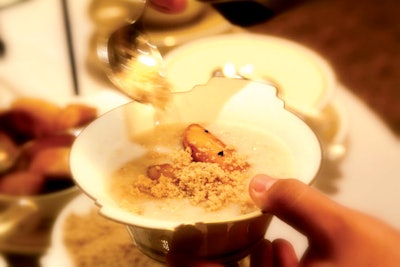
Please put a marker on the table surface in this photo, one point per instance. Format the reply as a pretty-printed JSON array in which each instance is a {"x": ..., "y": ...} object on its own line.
[{"x": 359, "y": 40}]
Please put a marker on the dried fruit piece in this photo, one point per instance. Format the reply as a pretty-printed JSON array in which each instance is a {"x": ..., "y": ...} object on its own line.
[
  {"x": 206, "y": 147},
  {"x": 155, "y": 171}
]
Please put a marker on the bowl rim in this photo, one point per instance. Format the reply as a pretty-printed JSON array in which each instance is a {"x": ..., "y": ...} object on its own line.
[
  {"x": 39, "y": 197},
  {"x": 329, "y": 75},
  {"x": 121, "y": 215}
]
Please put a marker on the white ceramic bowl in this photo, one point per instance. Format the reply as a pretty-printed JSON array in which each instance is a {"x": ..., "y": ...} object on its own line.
[
  {"x": 105, "y": 145},
  {"x": 28, "y": 219},
  {"x": 306, "y": 80}
]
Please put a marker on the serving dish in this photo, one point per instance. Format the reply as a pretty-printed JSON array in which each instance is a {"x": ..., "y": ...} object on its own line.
[
  {"x": 34, "y": 215},
  {"x": 250, "y": 104},
  {"x": 76, "y": 214}
]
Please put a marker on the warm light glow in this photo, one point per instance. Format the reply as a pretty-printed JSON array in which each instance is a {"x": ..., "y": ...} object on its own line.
[
  {"x": 170, "y": 41},
  {"x": 247, "y": 69},
  {"x": 3, "y": 155},
  {"x": 148, "y": 60},
  {"x": 229, "y": 70},
  {"x": 165, "y": 244},
  {"x": 111, "y": 12}
]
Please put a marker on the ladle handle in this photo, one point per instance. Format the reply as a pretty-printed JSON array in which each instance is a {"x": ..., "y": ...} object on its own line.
[{"x": 16, "y": 216}]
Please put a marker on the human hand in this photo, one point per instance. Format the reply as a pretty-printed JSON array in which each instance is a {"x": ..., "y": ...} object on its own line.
[
  {"x": 337, "y": 235},
  {"x": 169, "y": 6}
]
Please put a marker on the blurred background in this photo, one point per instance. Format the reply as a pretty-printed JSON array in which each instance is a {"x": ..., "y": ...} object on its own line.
[
  {"x": 47, "y": 51},
  {"x": 361, "y": 42}
]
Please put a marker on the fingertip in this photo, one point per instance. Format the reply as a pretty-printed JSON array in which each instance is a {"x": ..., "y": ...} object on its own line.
[
  {"x": 258, "y": 187},
  {"x": 261, "y": 183},
  {"x": 281, "y": 244},
  {"x": 284, "y": 253},
  {"x": 169, "y": 6},
  {"x": 297, "y": 204}
]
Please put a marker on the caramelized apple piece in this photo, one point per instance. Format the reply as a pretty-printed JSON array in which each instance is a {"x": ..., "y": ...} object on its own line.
[
  {"x": 206, "y": 147},
  {"x": 155, "y": 171}
]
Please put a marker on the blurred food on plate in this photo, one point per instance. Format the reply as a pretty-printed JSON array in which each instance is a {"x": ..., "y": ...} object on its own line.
[
  {"x": 35, "y": 139},
  {"x": 93, "y": 240}
]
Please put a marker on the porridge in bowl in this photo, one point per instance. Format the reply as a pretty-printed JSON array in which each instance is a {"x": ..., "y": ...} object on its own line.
[
  {"x": 195, "y": 172},
  {"x": 179, "y": 179}
]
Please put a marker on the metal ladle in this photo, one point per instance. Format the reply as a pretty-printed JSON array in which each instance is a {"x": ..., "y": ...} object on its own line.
[{"x": 131, "y": 62}]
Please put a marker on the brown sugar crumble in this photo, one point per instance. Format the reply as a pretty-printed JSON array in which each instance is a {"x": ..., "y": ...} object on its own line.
[
  {"x": 92, "y": 240},
  {"x": 95, "y": 241},
  {"x": 205, "y": 184}
]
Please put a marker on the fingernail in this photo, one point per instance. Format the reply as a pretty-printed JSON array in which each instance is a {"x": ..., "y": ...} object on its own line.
[{"x": 261, "y": 183}]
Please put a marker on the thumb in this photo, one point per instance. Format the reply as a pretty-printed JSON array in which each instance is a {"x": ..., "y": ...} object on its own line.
[{"x": 302, "y": 207}]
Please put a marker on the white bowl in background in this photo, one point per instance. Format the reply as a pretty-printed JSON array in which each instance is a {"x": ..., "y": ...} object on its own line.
[{"x": 306, "y": 81}]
